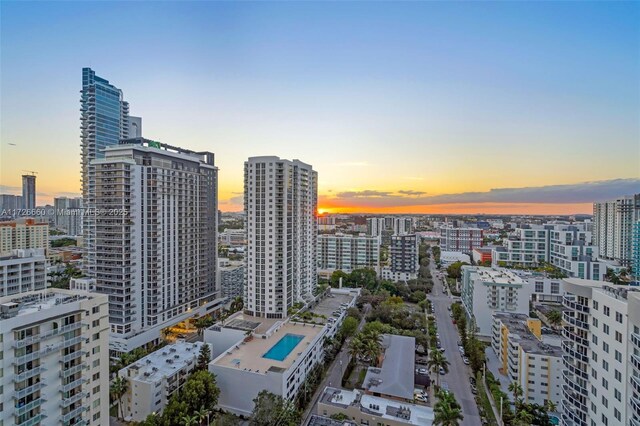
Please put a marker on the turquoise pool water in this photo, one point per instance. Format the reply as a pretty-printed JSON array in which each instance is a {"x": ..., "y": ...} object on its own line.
[
  {"x": 283, "y": 348},
  {"x": 554, "y": 420}
]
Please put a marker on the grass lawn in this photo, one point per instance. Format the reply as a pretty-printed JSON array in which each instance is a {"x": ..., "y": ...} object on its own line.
[
  {"x": 361, "y": 375},
  {"x": 485, "y": 405}
]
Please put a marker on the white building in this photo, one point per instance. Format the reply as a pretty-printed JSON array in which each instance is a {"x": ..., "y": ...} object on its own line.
[
  {"x": 525, "y": 359},
  {"x": 613, "y": 227},
  {"x": 525, "y": 246},
  {"x": 280, "y": 203},
  {"x": 233, "y": 237},
  {"x": 545, "y": 288},
  {"x": 449, "y": 257},
  {"x": 402, "y": 225},
  {"x": 489, "y": 290},
  {"x": 152, "y": 380},
  {"x": 364, "y": 409},
  {"x": 22, "y": 271},
  {"x": 68, "y": 214},
  {"x": 375, "y": 226},
  {"x": 55, "y": 358},
  {"x": 572, "y": 252},
  {"x": 460, "y": 239},
  {"x": 595, "y": 354},
  {"x": 347, "y": 252},
  {"x": 326, "y": 223},
  {"x": 251, "y": 354},
  {"x": 633, "y": 382},
  {"x": 155, "y": 252}
]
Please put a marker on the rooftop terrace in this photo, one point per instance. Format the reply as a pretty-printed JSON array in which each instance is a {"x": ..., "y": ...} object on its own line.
[
  {"x": 27, "y": 303},
  {"x": 517, "y": 326},
  {"x": 164, "y": 362}
]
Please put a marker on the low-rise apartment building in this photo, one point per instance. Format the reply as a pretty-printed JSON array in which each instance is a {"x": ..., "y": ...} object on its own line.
[
  {"x": 525, "y": 359},
  {"x": 489, "y": 290},
  {"x": 55, "y": 358},
  {"x": 368, "y": 410},
  {"x": 23, "y": 234},
  {"x": 152, "y": 380},
  {"x": 22, "y": 271}
]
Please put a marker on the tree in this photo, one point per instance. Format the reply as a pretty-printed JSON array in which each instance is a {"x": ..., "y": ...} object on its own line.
[
  {"x": 204, "y": 357},
  {"x": 455, "y": 270},
  {"x": 270, "y": 409},
  {"x": 200, "y": 391},
  {"x": 118, "y": 389},
  {"x": 550, "y": 406},
  {"x": 189, "y": 420},
  {"x": 227, "y": 419},
  {"x": 555, "y": 318},
  {"x": 203, "y": 323},
  {"x": 523, "y": 418},
  {"x": 202, "y": 414},
  {"x": 334, "y": 281},
  {"x": 447, "y": 410},
  {"x": 236, "y": 305},
  {"x": 436, "y": 362},
  {"x": 516, "y": 390},
  {"x": 354, "y": 312},
  {"x": 349, "y": 327}
]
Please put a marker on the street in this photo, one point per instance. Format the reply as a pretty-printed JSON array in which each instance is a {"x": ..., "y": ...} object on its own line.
[
  {"x": 333, "y": 376},
  {"x": 458, "y": 376}
]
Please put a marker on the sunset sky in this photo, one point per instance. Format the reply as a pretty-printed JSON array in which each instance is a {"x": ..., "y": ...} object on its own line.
[{"x": 439, "y": 107}]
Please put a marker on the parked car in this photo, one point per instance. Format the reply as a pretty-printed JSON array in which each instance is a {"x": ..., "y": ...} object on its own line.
[
  {"x": 423, "y": 371},
  {"x": 474, "y": 390},
  {"x": 422, "y": 398},
  {"x": 441, "y": 349},
  {"x": 442, "y": 371},
  {"x": 472, "y": 380},
  {"x": 465, "y": 360}
]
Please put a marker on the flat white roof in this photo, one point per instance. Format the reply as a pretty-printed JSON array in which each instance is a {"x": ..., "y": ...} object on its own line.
[
  {"x": 163, "y": 363},
  {"x": 35, "y": 301},
  {"x": 498, "y": 276}
]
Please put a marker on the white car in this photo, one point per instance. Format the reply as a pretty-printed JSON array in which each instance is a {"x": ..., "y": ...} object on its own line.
[
  {"x": 423, "y": 371},
  {"x": 422, "y": 398},
  {"x": 465, "y": 360}
]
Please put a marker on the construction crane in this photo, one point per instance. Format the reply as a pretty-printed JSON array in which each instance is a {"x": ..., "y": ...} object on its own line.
[{"x": 33, "y": 173}]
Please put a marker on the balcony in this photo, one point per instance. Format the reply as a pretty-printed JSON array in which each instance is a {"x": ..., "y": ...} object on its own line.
[
  {"x": 635, "y": 339},
  {"x": 570, "y": 382},
  {"x": 575, "y": 322},
  {"x": 75, "y": 398},
  {"x": 28, "y": 373},
  {"x": 72, "y": 385},
  {"x": 35, "y": 420},
  {"x": 568, "y": 349},
  {"x": 635, "y": 383},
  {"x": 73, "y": 413},
  {"x": 72, "y": 356},
  {"x": 574, "y": 337},
  {"x": 570, "y": 302},
  {"x": 28, "y": 390},
  {"x": 28, "y": 407},
  {"x": 72, "y": 370}
]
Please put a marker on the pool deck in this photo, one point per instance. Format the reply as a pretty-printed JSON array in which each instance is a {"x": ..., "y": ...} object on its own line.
[{"x": 249, "y": 355}]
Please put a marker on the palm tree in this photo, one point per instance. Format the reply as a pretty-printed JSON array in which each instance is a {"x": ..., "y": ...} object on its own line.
[
  {"x": 516, "y": 389},
  {"x": 356, "y": 347},
  {"x": 447, "y": 410},
  {"x": 118, "y": 389},
  {"x": 550, "y": 406},
  {"x": 202, "y": 414},
  {"x": 555, "y": 318},
  {"x": 189, "y": 420},
  {"x": 437, "y": 361},
  {"x": 237, "y": 304},
  {"x": 166, "y": 332},
  {"x": 523, "y": 418}
]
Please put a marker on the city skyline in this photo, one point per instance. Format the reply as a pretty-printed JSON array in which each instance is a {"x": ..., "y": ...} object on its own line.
[{"x": 439, "y": 113}]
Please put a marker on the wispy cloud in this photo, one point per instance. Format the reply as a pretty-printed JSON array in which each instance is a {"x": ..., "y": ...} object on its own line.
[{"x": 585, "y": 192}]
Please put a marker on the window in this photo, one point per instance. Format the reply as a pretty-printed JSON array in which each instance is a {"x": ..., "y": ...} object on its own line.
[
  {"x": 539, "y": 287},
  {"x": 605, "y": 328},
  {"x": 605, "y": 420},
  {"x": 606, "y": 310},
  {"x": 594, "y": 356},
  {"x": 617, "y": 394},
  {"x": 618, "y": 356},
  {"x": 594, "y": 339},
  {"x": 555, "y": 288},
  {"x": 605, "y": 402},
  {"x": 605, "y": 365},
  {"x": 605, "y": 383},
  {"x": 595, "y": 305},
  {"x": 618, "y": 337},
  {"x": 595, "y": 322},
  {"x": 619, "y": 317},
  {"x": 617, "y": 414},
  {"x": 95, "y": 309},
  {"x": 605, "y": 347},
  {"x": 618, "y": 375}
]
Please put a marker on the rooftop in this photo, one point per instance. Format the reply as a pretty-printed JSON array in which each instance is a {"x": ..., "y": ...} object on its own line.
[
  {"x": 396, "y": 375},
  {"x": 35, "y": 301},
  {"x": 163, "y": 362},
  {"x": 520, "y": 332},
  {"x": 410, "y": 414},
  {"x": 498, "y": 276},
  {"x": 248, "y": 355},
  {"x": 316, "y": 420}
]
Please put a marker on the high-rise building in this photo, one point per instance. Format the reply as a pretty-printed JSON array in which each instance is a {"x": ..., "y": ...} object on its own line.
[
  {"x": 403, "y": 257},
  {"x": 280, "y": 205},
  {"x": 9, "y": 205},
  {"x": 571, "y": 251},
  {"x": 23, "y": 234},
  {"x": 68, "y": 214},
  {"x": 460, "y": 239},
  {"x": 613, "y": 227},
  {"x": 56, "y": 366},
  {"x": 633, "y": 379},
  {"x": 104, "y": 120},
  {"x": 156, "y": 245},
  {"x": 375, "y": 226},
  {"x": 596, "y": 367},
  {"x": 635, "y": 265},
  {"x": 347, "y": 252},
  {"x": 135, "y": 127},
  {"x": 402, "y": 225},
  {"x": 231, "y": 278},
  {"x": 28, "y": 192}
]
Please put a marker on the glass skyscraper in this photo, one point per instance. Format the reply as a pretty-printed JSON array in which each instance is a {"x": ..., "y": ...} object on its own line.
[{"x": 104, "y": 120}]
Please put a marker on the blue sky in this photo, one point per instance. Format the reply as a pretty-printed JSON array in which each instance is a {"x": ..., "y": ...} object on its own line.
[{"x": 440, "y": 98}]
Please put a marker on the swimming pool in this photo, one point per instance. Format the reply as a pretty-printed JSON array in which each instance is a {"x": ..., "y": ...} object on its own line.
[{"x": 283, "y": 348}]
